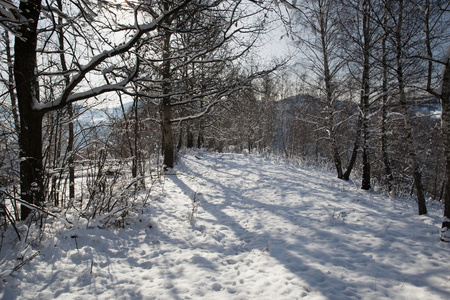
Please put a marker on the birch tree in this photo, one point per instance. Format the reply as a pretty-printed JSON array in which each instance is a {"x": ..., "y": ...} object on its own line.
[
  {"x": 385, "y": 97},
  {"x": 399, "y": 35},
  {"x": 360, "y": 36},
  {"x": 365, "y": 90},
  {"x": 322, "y": 39},
  {"x": 435, "y": 27}
]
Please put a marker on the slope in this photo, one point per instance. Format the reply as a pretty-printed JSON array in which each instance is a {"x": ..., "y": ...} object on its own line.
[{"x": 230, "y": 226}]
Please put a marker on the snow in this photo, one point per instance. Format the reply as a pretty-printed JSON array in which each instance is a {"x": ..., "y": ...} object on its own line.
[{"x": 232, "y": 226}]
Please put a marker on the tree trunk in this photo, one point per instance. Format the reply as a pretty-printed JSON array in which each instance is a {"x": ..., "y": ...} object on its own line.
[
  {"x": 136, "y": 156},
  {"x": 365, "y": 91},
  {"x": 417, "y": 175},
  {"x": 446, "y": 135},
  {"x": 180, "y": 138},
  {"x": 31, "y": 177},
  {"x": 365, "y": 185},
  {"x": 167, "y": 136},
  {"x": 166, "y": 109},
  {"x": 324, "y": 24},
  {"x": 354, "y": 155},
  {"x": 384, "y": 151},
  {"x": 334, "y": 147},
  {"x": 71, "y": 138},
  {"x": 200, "y": 139},
  {"x": 444, "y": 96},
  {"x": 329, "y": 99},
  {"x": 30, "y": 137},
  {"x": 189, "y": 137},
  {"x": 445, "y": 119},
  {"x": 71, "y": 162},
  {"x": 55, "y": 135},
  {"x": 10, "y": 84}
]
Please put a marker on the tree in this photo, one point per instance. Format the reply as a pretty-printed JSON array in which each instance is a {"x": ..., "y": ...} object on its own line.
[
  {"x": 360, "y": 36},
  {"x": 95, "y": 63},
  {"x": 365, "y": 89},
  {"x": 191, "y": 66},
  {"x": 27, "y": 77},
  {"x": 324, "y": 46},
  {"x": 434, "y": 15},
  {"x": 385, "y": 97},
  {"x": 417, "y": 175}
]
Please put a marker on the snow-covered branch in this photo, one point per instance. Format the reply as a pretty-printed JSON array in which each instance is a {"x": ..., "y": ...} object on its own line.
[
  {"x": 67, "y": 95},
  {"x": 10, "y": 17}
]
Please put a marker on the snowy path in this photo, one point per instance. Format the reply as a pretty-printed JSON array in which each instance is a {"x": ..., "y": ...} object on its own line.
[{"x": 261, "y": 230}]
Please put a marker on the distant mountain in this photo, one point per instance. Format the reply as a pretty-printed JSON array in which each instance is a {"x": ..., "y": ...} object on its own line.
[
  {"x": 285, "y": 113},
  {"x": 95, "y": 116},
  {"x": 92, "y": 124}
]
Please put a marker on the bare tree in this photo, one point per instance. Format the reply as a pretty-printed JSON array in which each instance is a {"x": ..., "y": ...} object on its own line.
[
  {"x": 385, "y": 97},
  {"x": 105, "y": 65},
  {"x": 28, "y": 75},
  {"x": 365, "y": 90},
  {"x": 360, "y": 39},
  {"x": 435, "y": 25},
  {"x": 192, "y": 63},
  {"x": 325, "y": 52},
  {"x": 399, "y": 42}
]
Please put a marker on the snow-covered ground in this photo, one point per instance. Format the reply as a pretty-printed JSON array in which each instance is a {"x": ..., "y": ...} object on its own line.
[{"x": 229, "y": 226}]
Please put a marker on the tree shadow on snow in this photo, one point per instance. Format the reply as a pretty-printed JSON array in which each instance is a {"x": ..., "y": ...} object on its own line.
[{"x": 320, "y": 254}]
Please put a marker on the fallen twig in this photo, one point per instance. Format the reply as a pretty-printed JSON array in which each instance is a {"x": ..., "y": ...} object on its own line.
[{"x": 16, "y": 268}]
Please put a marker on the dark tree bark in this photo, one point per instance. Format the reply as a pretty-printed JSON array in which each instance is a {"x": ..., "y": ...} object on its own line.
[
  {"x": 166, "y": 108},
  {"x": 70, "y": 149},
  {"x": 189, "y": 137},
  {"x": 30, "y": 137},
  {"x": 200, "y": 139},
  {"x": 445, "y": 100},
  {"x": 365, "y": 93},
  {"x": 167, "y": 134},
  {"x": 180, "y": 139}
]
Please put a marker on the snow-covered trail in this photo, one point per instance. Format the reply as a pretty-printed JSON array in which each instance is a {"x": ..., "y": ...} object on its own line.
[
  {"x": 259, "y": 229},
  {"x": 317, "y": 236}
]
